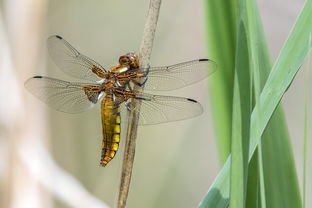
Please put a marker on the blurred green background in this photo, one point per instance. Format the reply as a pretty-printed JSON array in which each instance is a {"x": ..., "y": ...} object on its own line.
[{"x": 175, "y": 162}]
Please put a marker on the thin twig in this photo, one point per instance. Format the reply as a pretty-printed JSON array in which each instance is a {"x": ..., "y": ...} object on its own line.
[{"x": 133, "y": 119}]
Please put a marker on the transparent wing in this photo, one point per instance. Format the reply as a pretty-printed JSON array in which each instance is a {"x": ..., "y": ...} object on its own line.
[
  {"x": 179, "y": 75},
  {"x": 156, "y": 109},
  {"x": 61, "y": 95},
  {"x": 69, "y": 60}
]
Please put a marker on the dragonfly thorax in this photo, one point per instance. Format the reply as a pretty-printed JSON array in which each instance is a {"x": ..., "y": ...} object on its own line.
[
  {"x": 119, "y": 69},
  {"x": 112, "y": 83}
]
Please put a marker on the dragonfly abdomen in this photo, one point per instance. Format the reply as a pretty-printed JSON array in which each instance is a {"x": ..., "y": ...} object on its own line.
[{"x": 111, "y": 129}]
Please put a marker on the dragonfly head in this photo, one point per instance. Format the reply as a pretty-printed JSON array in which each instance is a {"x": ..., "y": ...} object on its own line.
[{"x": 130, "y": 59}]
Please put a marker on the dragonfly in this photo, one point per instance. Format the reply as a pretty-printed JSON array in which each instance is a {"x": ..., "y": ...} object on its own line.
[{"x": 113, "y": 88}]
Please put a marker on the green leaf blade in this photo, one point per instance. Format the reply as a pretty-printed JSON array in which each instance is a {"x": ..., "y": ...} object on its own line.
[
  {"x": 222, "y": 41},
  {"x": 283, "y": 72},
  {"x": 242, "y": 107}
]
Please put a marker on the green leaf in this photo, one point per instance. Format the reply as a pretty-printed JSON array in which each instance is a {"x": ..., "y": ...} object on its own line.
[
  {"x": 221, "y": 32},
  {"x": 242, "y": 107},
  {"x": 275, "y": 137},
  {"x": 283, "y": 72},
  {"x": 276, "y": 152},
  {"x": 219, "y": 191}
]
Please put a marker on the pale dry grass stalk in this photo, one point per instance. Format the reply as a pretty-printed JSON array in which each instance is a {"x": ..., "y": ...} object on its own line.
[
  {"x": 20, "y": 37},
  {"x": 133, "y": 118}
]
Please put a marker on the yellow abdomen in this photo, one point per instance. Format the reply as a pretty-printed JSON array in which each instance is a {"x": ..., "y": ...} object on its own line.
[{"x": 111, "y": 129}]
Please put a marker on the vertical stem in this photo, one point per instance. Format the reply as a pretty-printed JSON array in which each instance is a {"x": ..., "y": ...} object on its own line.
[{"x": 133, "y": 119}]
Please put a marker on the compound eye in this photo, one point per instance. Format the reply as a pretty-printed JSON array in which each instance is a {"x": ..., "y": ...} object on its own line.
[{"x": 124, "y": 60}]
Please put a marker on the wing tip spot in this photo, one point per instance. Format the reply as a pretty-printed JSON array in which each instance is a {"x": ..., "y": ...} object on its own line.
[
  {"x": 59, "y": 37},
  {"x": 141, "y": 98},
  {"x": 37, "y": 77},
  {"x": 189, "y": 99},
  {"x": 203, "y": 60}
]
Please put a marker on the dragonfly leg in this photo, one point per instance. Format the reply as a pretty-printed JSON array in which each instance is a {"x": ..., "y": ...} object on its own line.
[
  {"x": 130, "y": 88},
  {"x": 141, "y": 76},
  {"x": 140, "y": 84},
  {"x": 96, "y": 70},
  {"x": 114, "y": 97},
  {"x": 128, "y": 105}
]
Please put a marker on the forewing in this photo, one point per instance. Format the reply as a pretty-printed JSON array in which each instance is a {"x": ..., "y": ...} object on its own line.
[
  {"x": 156, "y": 109},
  {"x": 69, "y": 60},
  {"x": 61, "y": 95},
  {"x": 179, "y": 75}
]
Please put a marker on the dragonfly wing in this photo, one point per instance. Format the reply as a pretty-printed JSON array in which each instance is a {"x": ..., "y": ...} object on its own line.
[
  {"x": 61, "y": 95},
  {"x": 156, "y": 109},
  {"x": 73, "y": 63},
  {"x": 179, "y": 75}
]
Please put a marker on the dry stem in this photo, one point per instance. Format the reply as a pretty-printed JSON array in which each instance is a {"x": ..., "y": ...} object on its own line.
[{"x": 144, "y": 57}]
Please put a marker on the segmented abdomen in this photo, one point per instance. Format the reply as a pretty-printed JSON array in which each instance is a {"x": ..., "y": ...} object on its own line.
[{"x": 110, "y": 113}]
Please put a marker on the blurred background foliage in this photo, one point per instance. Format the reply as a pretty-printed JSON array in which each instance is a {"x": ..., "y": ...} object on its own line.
[{"x": 174, "y": 161}]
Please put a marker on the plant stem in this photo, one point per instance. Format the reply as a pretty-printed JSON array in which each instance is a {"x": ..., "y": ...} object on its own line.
[{"x": 133, "y": 116}]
